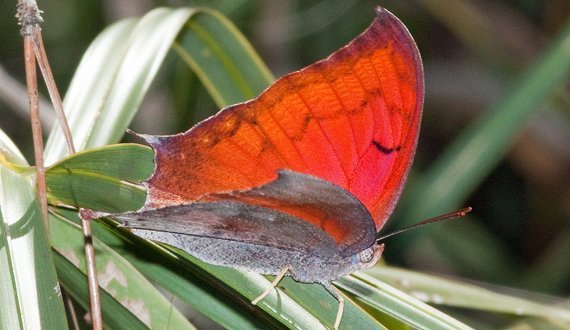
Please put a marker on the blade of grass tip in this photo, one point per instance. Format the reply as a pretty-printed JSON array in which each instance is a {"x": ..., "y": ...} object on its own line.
[
  {"x": 482, "y": 145},
  {"x": 29, "y": 291},
  {"x": 114, "y": 160}
]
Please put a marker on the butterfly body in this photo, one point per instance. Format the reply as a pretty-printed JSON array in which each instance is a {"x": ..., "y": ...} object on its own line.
[{"x": 303, "y": 267}]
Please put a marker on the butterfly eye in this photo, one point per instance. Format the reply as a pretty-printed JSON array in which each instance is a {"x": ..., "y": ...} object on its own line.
[{"x": 366, "y": 255}]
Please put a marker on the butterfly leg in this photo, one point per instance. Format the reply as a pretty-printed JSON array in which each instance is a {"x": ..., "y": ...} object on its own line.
[
  {"x": 340, "y": 299},
  {"x": 273, "y": 285}
]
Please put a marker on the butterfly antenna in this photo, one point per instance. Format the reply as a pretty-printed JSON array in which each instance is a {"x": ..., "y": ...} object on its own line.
[{"x": 448, "y": 216}]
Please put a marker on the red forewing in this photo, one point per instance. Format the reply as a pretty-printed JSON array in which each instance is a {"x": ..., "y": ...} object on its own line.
[{"x": 352, "y": 119}]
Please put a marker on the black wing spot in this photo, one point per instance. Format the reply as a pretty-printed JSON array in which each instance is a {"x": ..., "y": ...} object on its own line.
[{"x": 385, "y": 150}]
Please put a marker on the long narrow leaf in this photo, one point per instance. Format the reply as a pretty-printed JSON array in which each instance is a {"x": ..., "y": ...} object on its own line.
[
  {"x": 441, "y": 291},
  {"x": 30, "y": 295}
]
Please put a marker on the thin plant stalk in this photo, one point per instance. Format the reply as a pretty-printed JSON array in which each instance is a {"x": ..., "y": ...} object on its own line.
[
  {"x": 32, "y": 83},
  {"x": 71, "y": 309},
  {"x": 52, "y": 89}
]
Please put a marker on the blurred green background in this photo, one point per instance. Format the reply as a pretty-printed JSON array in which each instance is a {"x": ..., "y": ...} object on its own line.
[{"x": 474, "y": 52}]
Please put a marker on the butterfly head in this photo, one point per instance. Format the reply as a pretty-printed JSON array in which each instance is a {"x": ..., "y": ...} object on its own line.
[{"x": 367, "y": 258}]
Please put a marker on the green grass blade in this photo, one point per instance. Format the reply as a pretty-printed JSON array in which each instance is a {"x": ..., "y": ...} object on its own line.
[
  {"x": 121, "y": 282},
  {"x": 115, "y": 315},
  {"x": 397, "y": 304},
  {"x": 29, "y": 292},
  {"x": 96, "y": 178},
  {"x": 441, "y": 291},
  {"x": 111, "y": 160},
  {"x": 222, "y": 58}
]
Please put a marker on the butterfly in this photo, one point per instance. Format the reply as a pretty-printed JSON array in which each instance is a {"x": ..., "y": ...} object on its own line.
[{"x": 300, "y": 180}]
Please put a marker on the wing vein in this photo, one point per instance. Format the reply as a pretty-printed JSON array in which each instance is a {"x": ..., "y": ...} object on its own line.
[
  {"x": 347, "y": 117},
  {"x": 373, "y": 130},
  {"x": 327, "y": 138},
  {"x": 284, "y": 133}
]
